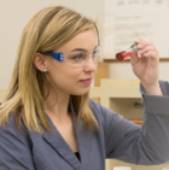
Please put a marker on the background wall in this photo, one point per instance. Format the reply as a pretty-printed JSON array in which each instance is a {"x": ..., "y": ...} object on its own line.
[{"x": 15, "y": 14}]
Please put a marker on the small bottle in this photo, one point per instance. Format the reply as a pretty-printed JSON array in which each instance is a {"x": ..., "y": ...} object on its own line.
[{"x": 127, "y": 54}]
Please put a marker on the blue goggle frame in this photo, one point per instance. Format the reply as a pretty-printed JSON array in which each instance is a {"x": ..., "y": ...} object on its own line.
[{"x": 56, "y": 55}]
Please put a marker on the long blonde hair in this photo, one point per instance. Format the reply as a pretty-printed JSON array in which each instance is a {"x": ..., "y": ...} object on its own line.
[{"x": 49, "y": 29}]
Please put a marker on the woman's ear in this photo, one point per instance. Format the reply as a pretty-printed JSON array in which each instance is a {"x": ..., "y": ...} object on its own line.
[{"x": 40, "y": 62}]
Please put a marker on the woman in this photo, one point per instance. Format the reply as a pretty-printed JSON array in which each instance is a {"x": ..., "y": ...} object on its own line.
[{"x": 47, "y": 120}]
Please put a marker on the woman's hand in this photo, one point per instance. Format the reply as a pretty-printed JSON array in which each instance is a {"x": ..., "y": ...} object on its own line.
[{"x": 145, "y": 65}]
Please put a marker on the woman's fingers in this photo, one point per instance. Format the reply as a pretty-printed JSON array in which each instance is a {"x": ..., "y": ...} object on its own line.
[{"x": 146, "y": 49}]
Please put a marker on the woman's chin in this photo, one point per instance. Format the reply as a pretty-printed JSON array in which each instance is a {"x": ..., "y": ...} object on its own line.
[{"x": 81, "y": 92}]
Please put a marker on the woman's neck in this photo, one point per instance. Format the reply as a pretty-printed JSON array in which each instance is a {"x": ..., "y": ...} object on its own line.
[{"x": 57, "y": 104}]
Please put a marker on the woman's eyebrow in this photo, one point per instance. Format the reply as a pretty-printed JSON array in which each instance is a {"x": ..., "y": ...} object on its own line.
[
  {"x": 79, "y": 49},
  {"x": 82, "y": 49}
]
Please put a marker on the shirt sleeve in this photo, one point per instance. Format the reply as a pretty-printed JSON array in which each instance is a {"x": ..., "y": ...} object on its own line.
[
  {"x": 14, "y": 151},
  {"x": 147, "y": 144}
]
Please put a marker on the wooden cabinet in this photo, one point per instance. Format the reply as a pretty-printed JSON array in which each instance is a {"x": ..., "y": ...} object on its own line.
[
  {"x": 122, "y": 96},
  {"x": 113, "y": 163}
]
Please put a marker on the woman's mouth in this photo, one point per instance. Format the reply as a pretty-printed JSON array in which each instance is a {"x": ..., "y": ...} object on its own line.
[{"x": 86, "y": 82}]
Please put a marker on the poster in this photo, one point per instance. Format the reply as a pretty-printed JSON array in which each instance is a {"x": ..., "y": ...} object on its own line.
[{"x": 125, "y": 21}]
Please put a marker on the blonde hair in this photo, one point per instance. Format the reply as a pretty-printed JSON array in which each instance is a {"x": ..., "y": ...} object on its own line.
[{"x": 49, "y": 29}]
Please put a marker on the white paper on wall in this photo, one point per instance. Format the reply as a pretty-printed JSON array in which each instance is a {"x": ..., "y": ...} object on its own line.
[{"x": 125, "y": 21}]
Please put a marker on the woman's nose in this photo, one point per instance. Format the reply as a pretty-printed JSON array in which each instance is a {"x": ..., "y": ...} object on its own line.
[{"x": 90, "y": 64}]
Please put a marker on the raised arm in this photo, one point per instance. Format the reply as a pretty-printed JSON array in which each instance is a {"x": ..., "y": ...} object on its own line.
[{"x": 145, "y": 65}]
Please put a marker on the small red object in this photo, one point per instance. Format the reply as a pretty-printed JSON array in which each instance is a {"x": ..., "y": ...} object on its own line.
[
  {"x": 124, "y": 55},
  {"x": 128, "y": 53}
]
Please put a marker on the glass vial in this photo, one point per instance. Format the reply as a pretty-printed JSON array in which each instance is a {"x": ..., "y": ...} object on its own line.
[{"x": 126, "y": 54}]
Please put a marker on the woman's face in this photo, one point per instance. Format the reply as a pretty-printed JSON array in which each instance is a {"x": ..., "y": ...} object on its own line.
[{"x": 75, "y": 74}]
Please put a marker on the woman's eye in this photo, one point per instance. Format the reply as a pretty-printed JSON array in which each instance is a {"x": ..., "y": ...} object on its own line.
[{"x": 78, "y": 57}]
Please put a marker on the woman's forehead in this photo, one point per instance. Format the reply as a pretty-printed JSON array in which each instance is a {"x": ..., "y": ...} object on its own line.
[{"x": 86, "y": 40}]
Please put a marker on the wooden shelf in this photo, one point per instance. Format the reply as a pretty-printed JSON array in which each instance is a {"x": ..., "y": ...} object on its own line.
[
  {"x": 122, "y": 96},
  {"x": 113, "y": 60},
  {"x": 115, "y": 89}
]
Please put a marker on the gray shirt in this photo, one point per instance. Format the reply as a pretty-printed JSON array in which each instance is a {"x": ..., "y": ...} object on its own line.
[{"x": 117, "y": 138}]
